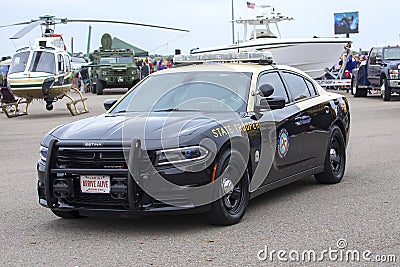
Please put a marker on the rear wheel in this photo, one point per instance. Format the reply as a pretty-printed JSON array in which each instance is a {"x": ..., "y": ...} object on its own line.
[
  {"x": 231, "y": 207},
  {"x": 386, "y": 91},
  {"x": 335, "y": 159},
  {"x": 99, "y": 87},
  {"x": 71, "y": 214}
]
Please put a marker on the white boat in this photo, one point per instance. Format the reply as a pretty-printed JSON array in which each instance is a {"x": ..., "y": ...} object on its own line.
[{"x": 311, "y": 55}]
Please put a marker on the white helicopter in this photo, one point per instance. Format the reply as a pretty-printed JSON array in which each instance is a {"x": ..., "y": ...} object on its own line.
[{"x": 44, "y": 70}]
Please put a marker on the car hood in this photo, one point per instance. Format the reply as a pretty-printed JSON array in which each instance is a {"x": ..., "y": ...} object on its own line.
[{"x": 157, "y": 126}]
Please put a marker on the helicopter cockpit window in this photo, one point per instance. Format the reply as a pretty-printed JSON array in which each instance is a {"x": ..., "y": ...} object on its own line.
[
  {"x": 125, "y": 60},
  {"x": 61, "y": 67},
  {"x": 108, "y": 60},
  {"x": 18, "y": 63},
  {"x": 43, "y": 62}
]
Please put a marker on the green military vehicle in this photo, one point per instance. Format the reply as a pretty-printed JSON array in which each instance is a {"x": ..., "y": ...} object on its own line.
[{"x": 112, "y": 68}]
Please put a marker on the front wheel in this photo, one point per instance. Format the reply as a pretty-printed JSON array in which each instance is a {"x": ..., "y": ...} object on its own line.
[
  {"x": 335, "y": 159},
  {"x": 230, "y": 209},
  {"x": 99, "y": 87},
  {"x": 355, "y": 90},
  {"x": 386, "y": 90}
]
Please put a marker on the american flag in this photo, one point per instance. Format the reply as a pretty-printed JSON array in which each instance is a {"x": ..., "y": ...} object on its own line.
[{"x": 251, "y": 5}]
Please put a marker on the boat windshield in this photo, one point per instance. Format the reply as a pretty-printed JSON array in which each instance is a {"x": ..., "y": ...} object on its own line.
[
  {"x": 43, "y": 62},
  {"x": 392, "y": 53},
  {"x": 125, "y": 60},
  {"x": 191, "y": 91},
  {"x": 19, "y": 61}
]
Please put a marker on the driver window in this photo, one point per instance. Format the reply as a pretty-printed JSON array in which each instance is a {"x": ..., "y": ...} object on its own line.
[
  {"x": 372, "y": 58},
  {"x": 275, "y": 80}
]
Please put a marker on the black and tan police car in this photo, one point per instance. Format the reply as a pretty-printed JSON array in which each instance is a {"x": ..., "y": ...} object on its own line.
[{"x": 201, "y": 138}]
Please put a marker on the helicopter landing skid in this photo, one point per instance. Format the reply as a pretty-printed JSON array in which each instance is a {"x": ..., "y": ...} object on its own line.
[
  {"x": 13, "y": 109},
  {"x": 72, "y": 106}
]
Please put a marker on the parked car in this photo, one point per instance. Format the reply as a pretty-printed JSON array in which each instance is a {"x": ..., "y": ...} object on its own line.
[
  {"x": 381, "y": 72},
  {"x": 202, "y": 138}
]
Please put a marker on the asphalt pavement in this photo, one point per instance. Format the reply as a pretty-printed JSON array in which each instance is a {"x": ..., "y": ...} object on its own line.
[{"x": 361, "y": 214}]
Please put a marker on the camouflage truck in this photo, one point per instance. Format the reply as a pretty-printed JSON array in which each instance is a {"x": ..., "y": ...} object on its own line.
[{"x": 112, "y": 68}]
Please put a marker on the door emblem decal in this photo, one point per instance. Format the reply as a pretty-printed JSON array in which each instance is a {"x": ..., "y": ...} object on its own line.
[{"x": 283, "y": 143}]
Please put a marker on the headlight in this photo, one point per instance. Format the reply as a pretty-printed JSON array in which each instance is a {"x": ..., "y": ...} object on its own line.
[
  {"x": 43, "y": 153},
  {"x": 394, "y": 74},
  {"x": 180, "y": 155},
  {"x": 104, "y": 73}
]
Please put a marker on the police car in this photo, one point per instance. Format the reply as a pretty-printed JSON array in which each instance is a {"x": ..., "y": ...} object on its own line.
[{"x": 203, "y": 138}]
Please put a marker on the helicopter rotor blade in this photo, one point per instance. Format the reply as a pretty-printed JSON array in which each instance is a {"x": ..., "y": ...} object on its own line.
[
  {"x": 26, "y": 29},
  {"x": 16, "y": 24},
  {"x": 127, "y": 23}
]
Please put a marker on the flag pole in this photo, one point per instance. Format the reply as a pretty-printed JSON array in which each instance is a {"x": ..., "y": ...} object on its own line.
[{"x": 233, "y": 24}]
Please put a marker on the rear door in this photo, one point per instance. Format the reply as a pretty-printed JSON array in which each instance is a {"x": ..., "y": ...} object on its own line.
[
  {"x": 311, "y": 122},
  {"x": 287, "y": 145}
]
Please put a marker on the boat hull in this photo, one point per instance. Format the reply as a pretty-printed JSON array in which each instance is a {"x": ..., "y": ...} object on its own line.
[{"x": 311, "y": 55}]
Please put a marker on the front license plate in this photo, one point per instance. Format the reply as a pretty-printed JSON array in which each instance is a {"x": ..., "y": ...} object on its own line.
[{"x": 95, "y": 184}]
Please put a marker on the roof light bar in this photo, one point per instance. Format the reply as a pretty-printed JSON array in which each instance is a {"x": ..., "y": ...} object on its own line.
[{"x": 265, "y": 57}]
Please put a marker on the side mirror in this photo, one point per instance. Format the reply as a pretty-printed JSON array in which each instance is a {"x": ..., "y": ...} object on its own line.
[
  {"x": 47, "y": 85},
  {"x": 270, "y": 103},
  {"x": 109, "y": 103},
  {"x": 266, "y": 89}
]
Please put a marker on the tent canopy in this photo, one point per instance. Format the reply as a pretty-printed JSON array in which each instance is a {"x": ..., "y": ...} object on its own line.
[{"x": 119, "y": 44}]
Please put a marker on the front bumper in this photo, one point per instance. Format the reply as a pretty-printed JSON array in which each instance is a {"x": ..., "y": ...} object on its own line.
[
  {"x": 394, "y": 83},
  {"x": 59, "y": 181}
]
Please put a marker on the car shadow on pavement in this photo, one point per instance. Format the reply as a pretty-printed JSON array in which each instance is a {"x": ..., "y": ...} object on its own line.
[{"x": 157, "y": 224}]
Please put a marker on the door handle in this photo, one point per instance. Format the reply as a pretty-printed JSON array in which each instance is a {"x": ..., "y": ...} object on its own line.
[
  {"x": 327, "y": 109},
  {"x": 297, "y": 121}
]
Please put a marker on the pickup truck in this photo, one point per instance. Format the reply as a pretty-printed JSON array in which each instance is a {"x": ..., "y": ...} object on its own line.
[{"x": 381, "y": 72}]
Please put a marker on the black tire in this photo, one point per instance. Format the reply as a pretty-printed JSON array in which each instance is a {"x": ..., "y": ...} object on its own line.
[
  {"x": 71, "y": 214},
  {"x": 387, "y": 92},
  {"x": 335, "y": 159},
  {"x": 355, "y": 90},
  {"x": 99, "y": 87},
  {"x": 230, "y": 209},
  {"x": 353, "y": 84}
]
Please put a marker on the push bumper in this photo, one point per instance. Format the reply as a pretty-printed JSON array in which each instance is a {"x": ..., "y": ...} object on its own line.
[{"x": 59, "y": 186}]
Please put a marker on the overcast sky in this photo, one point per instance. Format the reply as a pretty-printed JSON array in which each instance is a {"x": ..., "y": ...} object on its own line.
[{"x": 207, "y": 20}]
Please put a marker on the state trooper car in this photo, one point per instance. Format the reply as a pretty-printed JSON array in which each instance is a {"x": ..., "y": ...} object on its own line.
[{"x": 201, "y": 138}]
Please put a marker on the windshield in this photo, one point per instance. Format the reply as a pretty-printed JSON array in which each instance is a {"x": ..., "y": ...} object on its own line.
[
  {"x": 108, "y": 60},
  {"x": 125, "y": 60},
  {"x": 18, "y": 63},
  {"x": 43, "y": 62},
  {"x": 392, "y": 53},
  {"x": 192, "y": 91}
]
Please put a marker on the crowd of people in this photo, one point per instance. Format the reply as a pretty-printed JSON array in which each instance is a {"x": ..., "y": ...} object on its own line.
[
  {"x": 351, "y": 62},
  {"x": 147, "y": 66}
]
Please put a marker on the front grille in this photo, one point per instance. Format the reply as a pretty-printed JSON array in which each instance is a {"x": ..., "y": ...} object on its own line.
[{"x": 91, "y": 159}]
